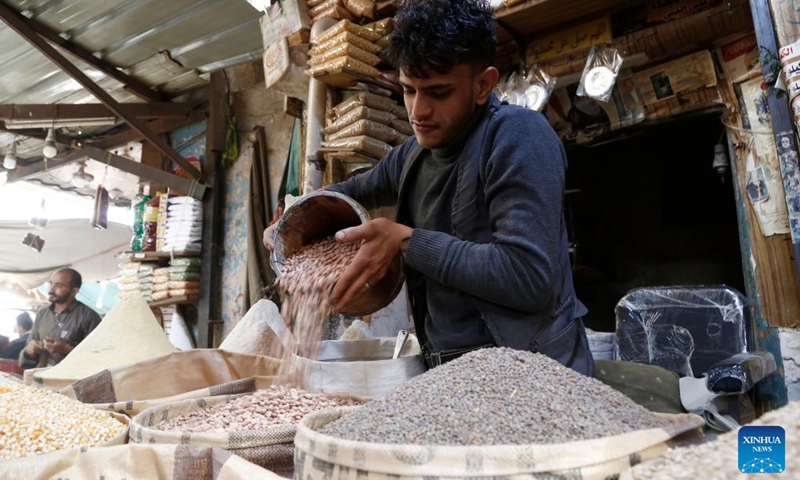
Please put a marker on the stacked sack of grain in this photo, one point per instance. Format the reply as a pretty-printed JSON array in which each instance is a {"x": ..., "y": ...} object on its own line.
[
  {"x": 184, "y": 278},
  {"x": 136, "y": 279},
  {"x": 160, "y": 284},
  {"x": 352, "y": 10},
  {"x": 345, "y": 46},
  {"x": 184, "y": 224},
  {"x": 365, "y": 122}
]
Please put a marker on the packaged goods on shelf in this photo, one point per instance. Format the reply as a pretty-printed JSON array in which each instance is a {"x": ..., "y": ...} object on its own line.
[
  {"x": 402, "y": 126},
  {"x": 345, "y": 50},
  {"x": 372, "y": 147},
  {"x": 369, "y": 128},
  {"x": 346, "y": 26},
  {"x": 345, "y": 37},
  {"x": 343, "y": 63},
  {"x": 364, "y": 99},
  {"x": 359, "y": 113}
]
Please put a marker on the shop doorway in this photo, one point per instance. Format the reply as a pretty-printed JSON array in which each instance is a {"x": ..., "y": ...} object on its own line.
[{"x": 649, "y": 210}]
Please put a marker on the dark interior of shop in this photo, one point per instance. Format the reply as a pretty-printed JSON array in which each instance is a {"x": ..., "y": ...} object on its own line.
[{"x": 649, "y": 210}]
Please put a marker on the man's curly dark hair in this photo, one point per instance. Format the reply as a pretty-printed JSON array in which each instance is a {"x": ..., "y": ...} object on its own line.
[{"x": 438, "y": 34}]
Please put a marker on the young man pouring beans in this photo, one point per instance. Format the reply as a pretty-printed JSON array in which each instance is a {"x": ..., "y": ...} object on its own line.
[{"x": 479, "y": 194}]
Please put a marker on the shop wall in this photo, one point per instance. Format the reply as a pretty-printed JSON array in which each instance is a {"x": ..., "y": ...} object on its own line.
[{"x": 252, "y": 106}]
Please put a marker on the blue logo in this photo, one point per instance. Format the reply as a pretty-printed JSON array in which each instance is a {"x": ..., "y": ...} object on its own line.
[{"x": 762, "y": 449}]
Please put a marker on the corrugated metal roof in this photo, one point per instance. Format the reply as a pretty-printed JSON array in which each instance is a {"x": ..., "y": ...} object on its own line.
[{"x": 167, "y": 44}]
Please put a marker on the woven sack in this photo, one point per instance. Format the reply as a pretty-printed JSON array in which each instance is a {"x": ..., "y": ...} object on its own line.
[
  {"x": 271, "y": 448},
  {"x": 321, "y": 456},
  {"x": 182, "y": 375},
  {"x": 136, "y": 462}
]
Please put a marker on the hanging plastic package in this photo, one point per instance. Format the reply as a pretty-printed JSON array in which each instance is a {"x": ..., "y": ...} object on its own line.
[
  {"x": 600, "y": 73},
  {"x": 541, "y": 86}
]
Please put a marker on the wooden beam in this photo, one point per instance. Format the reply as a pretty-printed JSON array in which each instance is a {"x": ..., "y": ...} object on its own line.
[
  {"x": 159, "y": 126},
  {"x": 131, "y": 84},
  {"x": 27, "y": 171},
  {"x": 14, "y": 21},
  {"x": 156, "y": 175},
  {"x": 67, "y": 111},
  {"x": 209, "y": 311}
]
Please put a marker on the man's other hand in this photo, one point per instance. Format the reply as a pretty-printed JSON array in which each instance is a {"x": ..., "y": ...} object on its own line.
[{"x": 33, "y": 348}]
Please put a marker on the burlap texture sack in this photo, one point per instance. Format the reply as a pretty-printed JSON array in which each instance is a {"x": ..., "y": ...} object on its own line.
[
  {"x": 319, "y": 456},
  {"x": 271, "y": 448},
  {"x": 181, "y": 375},
  {"x": 135, "y": 462}
]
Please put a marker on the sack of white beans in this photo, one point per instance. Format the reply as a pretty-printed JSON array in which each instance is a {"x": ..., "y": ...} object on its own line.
[{"x": 259, "y": 427}]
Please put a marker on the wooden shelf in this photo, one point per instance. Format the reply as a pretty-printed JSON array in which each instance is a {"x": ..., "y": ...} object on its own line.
[
  {"x": 532, "y": 17},
  {"x": 173, "y": 301},
  {"x": 156, "y": 255}
]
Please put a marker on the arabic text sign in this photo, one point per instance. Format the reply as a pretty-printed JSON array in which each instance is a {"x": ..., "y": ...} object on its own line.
[{"x": 569, "y": 40}]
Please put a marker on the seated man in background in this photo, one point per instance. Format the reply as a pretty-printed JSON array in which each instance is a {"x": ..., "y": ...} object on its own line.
[
  {"x": 23, "y": 329},
  {"x": 60, "y": 326}
]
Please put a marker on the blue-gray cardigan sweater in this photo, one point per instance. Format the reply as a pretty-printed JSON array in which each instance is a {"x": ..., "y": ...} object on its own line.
[{"x": 508, "y": 251}]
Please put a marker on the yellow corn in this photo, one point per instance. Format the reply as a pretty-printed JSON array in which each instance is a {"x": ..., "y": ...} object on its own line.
[{"x": 34, "y": 421}]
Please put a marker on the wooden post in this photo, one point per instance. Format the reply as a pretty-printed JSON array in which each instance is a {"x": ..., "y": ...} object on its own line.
[{"x": 209, "y": 311}]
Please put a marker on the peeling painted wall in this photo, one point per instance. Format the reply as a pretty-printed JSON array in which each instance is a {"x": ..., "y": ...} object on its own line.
[{"x": 253, "y": 106}]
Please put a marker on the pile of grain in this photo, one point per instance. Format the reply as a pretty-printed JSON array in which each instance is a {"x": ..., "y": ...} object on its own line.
[
  {"x": 277, "y": 406},
  {"x": 718, "y": 460},
  {"x": 34, "y": 421},
  {"x": 493, "y": 397},
  {"x": 129, "y": 333},
  {"x": 305, "y": 285}
]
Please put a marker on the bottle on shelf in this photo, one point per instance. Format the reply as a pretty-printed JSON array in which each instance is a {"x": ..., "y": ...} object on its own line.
[
  {"x": 138, "y": 206},
  {"x": 150, "y": 231}
]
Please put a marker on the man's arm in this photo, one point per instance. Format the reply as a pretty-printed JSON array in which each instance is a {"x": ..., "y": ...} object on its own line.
[
  {"x": 524, "y": 188},
  {"x": 29, "y": 356}
]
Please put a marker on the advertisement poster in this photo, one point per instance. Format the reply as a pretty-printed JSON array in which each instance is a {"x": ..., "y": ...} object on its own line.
[{"x": 764, "y": 178}]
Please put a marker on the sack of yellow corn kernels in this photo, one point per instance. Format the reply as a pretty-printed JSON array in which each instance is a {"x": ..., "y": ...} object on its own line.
[
  {"x": 181, "y": 375},
  {"x": 35, "y": 421},
  {"x": 136, "y": 462}
]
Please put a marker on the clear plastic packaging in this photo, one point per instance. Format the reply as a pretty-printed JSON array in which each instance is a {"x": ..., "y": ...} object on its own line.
[
  {"x": 400, "y": 111},
  {"x": 401, "y": 139},
  {"x": 600, "y": 73},
  {"x": 322, "y": 6},
  {"x": 685, "y": 329},
  {"x": 345, "y": 37},
  {"x": 346, "y": 26},
  {"x": 538, "y": 89},
  {"x": 402, "y": 126},
  {"x": 381, "y": 27},
  {"x": 336, "y": 12},
  {"x": 364, "y": 99},
  {"x": 343, "y": 63},
  {"x": 739, "y": 373},
  {"x": 367, "y": 127},
  {"x": 356, "y": 114},
  {"x": 370, "y": 146},
  {"x": 342, "y": 50},
  {"x": 361, "y": 8}
]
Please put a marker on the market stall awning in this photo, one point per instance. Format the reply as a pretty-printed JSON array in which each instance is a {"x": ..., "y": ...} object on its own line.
[{"x": 67, "y": 243}]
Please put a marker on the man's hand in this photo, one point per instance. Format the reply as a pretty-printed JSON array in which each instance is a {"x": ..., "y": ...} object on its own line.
[
  {"x": 380, "y": 244},
  {"x": 33, "y": 348},
  {"x": 269, "y": 237},
  {"x": 54, "y": 345}
]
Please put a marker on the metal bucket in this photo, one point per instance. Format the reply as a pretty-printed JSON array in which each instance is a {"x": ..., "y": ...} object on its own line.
[{"x": 322, "y": 214}]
